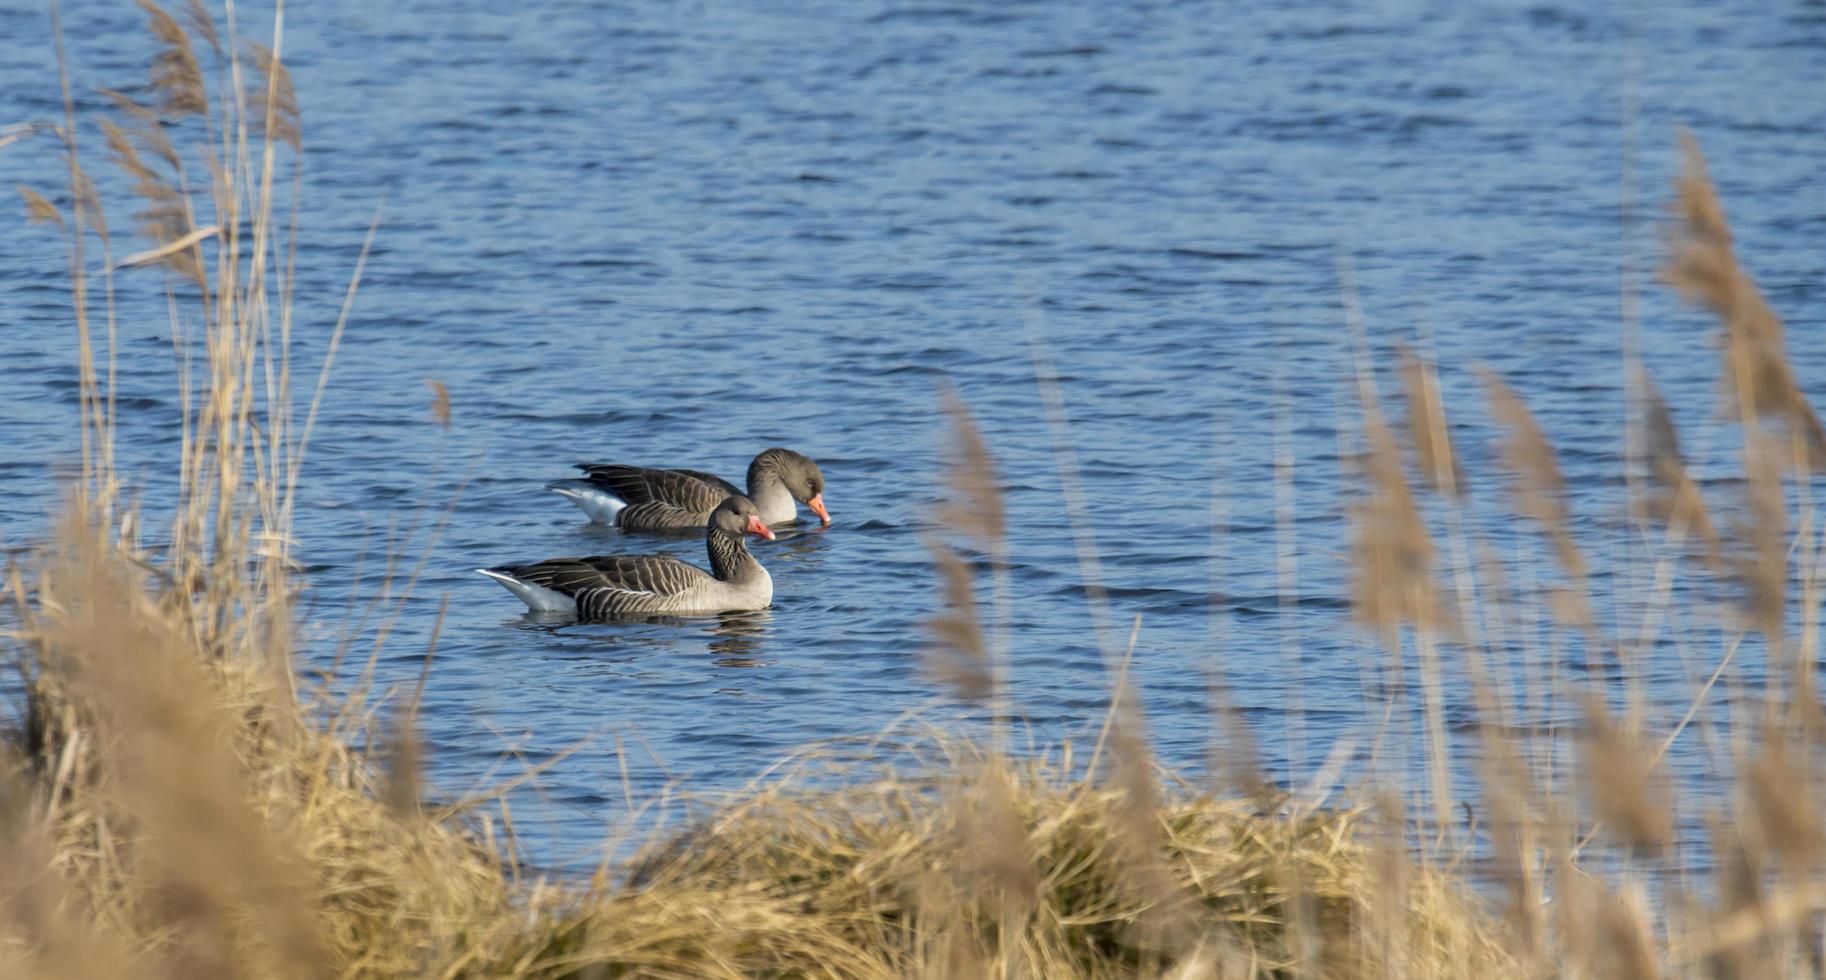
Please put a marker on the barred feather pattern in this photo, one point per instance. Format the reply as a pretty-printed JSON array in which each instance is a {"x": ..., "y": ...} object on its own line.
[
  {"x": 660, "y": 499},
  {"x": 609, "y": 586}
]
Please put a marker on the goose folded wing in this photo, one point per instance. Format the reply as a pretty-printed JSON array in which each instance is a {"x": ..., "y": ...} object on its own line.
[
  {"x": 687, "y": 490},
  {"x": 656, "y": 515},
  {"x": 709, "y": 479},
  {"x": 655, "y": 575},
  {"x": 658, "y": 575}
]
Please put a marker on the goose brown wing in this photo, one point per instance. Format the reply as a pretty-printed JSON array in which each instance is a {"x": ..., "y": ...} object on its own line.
[
  {"x": 658, "y": 515},
  {"x": 656, "y": 575},
  {"x": 728, "y": 489},
  {"x": 687, "y": 490},
  {"x": 612, "y": 585},
  {"x": 660, "y": 575}
]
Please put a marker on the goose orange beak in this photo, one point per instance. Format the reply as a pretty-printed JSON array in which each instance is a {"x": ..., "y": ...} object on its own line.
[
  {"x": 756, "y": 527},
  {"x": 817, "y": 506}
]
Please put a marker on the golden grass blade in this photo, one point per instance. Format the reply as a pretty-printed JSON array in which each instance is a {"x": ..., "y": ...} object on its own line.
[
  {"x": 175, "y": 74},
  {"x": 38, "y": 210},
  {"x": 960, "y": 657},
  {"x": 15, "y": 132},
  {"x": 1763, "y": 569},
  {"x": 1675, "y": 500},
  {"x": 120, "y": 660},
  {"x": 1391, "y": 547},
  {"x": 1783, "y": 800},
  {"x": 976, "y": 504},
  {"x": 1703, "y": 267},
  {"x": 1629, "y": 794},
  {"x": 1627, "y": 939},
  {"x": 1539, "y": 490},
  {"x": 166, "y": 250},
  {"x": 277, "y": 118},
  {"x": 1239, "y": 764},
  {"x": 199, "y": 21},
  {"x": 1392, "y": 550},
  {"x": 1427, "y": 428},
  {"x": 440, "y": 401},
  {"x": 167, "y": 216},
  {"x": 83, "y": 190},
  {"x": 963, "y": 658}
]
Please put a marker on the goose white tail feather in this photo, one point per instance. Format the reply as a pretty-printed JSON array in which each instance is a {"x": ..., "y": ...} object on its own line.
[
  {"x": 537, "y": 597},
  {"x": 597, "y": 504}
]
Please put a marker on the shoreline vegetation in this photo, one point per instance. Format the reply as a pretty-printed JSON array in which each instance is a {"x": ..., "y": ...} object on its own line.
[{"x": 178, "y": 802}]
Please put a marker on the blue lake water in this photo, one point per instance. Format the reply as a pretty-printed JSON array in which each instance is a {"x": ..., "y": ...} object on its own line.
[{"x": 678, "y": 233}]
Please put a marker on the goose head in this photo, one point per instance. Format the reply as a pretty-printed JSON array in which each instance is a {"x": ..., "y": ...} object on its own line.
[{"x": 737, "y": 516}]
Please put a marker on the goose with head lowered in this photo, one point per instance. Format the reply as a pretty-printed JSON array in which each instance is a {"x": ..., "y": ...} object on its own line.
[
  {"x": 640, "y": 498},
  {"x": 608, "y": 586}
]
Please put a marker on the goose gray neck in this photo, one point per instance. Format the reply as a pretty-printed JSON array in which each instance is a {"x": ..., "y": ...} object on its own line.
[{"x": 729, "y": 557}]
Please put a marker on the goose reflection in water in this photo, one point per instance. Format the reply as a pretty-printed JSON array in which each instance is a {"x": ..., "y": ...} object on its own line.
[{"x": 738, "y": 635}]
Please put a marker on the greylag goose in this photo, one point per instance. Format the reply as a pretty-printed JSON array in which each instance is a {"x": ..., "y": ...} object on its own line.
[
  {"x": 636, "y": 498},
  {"x": 607, "y": 586}
]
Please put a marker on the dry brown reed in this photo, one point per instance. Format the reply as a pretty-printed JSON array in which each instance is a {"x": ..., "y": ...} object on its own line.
[
  {"x": 1393, "y": 549},
  {"x": 1540, "y": 491},
  {"x": 38, "y": 210},
  {"x": 962, "y": 659},
  {"x": 861, "y": 859},
  {"x": 175, "y": 806},
  {"x": 1704, "y": 268},
  {"x": 1675, "y": 499},
  {"x": 1427, "y": 428}
]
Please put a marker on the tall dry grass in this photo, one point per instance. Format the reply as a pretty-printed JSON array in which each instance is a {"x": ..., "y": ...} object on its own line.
[{"x": 178, "y": 805}]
